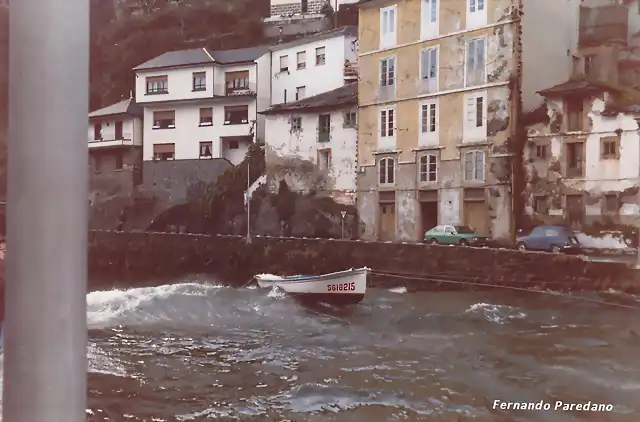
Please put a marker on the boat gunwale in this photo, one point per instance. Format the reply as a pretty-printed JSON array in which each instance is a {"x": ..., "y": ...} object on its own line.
[{"x": 312, "y": 278}]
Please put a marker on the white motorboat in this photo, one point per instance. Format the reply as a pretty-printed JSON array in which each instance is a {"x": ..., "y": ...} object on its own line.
[{"x": 342, "y": 288}]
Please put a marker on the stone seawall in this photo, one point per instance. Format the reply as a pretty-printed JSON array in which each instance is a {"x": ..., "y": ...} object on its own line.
[{"x": 139, "y": 258}]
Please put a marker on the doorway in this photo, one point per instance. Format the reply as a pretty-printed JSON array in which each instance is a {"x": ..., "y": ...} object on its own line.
[
  {"x": 387, "y": 221},
  {"x": 429, "y": 211},
  {"x": 476, "y": 216}
]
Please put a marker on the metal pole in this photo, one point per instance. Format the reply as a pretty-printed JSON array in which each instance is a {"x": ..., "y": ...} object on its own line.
[
  {"x": 248, "y": 202},
  {"x": 45, "y": 364}
]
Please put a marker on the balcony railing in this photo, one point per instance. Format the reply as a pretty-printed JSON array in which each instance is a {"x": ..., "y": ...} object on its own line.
[
  {"x": 599, "y": 25},
  {"x": 111, "y": 137},
  {"x": 229, "y": 90},
  {"x": 350, "y": 70},
  {"x": 111, "y": 141}
]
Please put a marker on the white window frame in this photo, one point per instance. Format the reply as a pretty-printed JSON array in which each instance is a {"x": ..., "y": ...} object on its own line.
[
  {"x": 474, "y": 172},
  {"x": 301, "y": 92},
  {"x": 383, "y": 170},
  {"x": 295, "y": 127},
  {"x": 386, "y": 137},
  {"x": 390, "y": 76},
  {"x": 472, "y": 45},
  {"x": 429, "y": 27},
  {"x": 284, "y": 63},
  {"x": 430, "y": 176},
  {"x": 476, "y": 13},
  {"x": 433, "y": 55},
  {"x": 301, "y": 60},
  {"x": 471, "y": 132},
  {"x": 388, "y": 26},
  {"x": 427, "y": 136}
]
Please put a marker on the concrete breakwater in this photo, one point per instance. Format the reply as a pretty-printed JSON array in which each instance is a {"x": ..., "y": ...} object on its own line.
[{"x": 128, "y": 256}]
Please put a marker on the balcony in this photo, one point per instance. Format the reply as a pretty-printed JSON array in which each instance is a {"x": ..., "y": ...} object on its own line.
[
  {"x": 350, "y": 71},
  {"x": 111, "y": 141},
  {"x": 229, "y": 90},
  {"x": 600, "y": 25}
]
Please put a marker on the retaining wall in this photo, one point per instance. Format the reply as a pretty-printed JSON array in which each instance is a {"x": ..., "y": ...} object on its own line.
[{"x": 140, "y": 258}]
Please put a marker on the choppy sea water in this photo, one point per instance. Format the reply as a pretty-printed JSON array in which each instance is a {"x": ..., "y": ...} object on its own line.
[{"x": 195, "y": 351}]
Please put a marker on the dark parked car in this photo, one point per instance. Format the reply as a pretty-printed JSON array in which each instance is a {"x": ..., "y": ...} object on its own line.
[{"x": 550, "y": 238}]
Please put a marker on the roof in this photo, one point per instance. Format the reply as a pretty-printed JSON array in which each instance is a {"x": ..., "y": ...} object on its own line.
[
  {"x": 127, "y": 106},
  {"x": 202, "y": 56},
  {"x": 349, "y": 31},
  {"x": 343, "y": 96},
  {"x": 582, "y": 86}
]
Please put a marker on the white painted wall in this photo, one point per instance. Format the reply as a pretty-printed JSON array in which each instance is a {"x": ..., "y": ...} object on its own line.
[
  {"x": 131, "y": 129},
  {"x": 315, "y": 79},
  {"x": 180, "y": 84},
  {"x": 612, "y": 175},
  {"x": 304, "y": 144},
  {"x": 187, "y": 135},
  {"x": 549, "y": 39},
  {"x": 263, "y": 99}
]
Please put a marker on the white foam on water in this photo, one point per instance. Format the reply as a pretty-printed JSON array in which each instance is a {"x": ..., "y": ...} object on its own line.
[
  {"x": 498, "y": 314},
  {"x": 607, "y": 241},
  {"x": 398, "y": 290}
]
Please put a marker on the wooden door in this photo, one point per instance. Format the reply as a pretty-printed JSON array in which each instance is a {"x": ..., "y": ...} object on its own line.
[
  {"x": 387, "y": 221},
  {"x": 475, "y": 216}
]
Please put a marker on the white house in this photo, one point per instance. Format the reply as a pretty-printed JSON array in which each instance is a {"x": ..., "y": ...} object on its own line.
[
  {"x": 313, "y": 65},
  {"x": 310, "y": 8},
  {"x": 201, "y": 104},
  {"x": 311, "y": 144},
  {"x": 115, "y": 136}
]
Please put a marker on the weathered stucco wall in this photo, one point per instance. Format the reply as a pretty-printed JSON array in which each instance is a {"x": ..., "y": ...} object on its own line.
[
  {"x": 618, "y": 177},
  {"x": 294, "y": 155},
  {"x": 155, "y": 256}
]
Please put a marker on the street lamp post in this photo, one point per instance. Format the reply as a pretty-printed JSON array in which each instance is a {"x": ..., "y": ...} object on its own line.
[{"x": 45, "y": 339}]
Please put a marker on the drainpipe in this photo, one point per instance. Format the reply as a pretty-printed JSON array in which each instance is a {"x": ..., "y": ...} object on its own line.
[{"x": 45, "y": 364}]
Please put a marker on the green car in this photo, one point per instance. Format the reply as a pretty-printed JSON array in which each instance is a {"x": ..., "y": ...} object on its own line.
[{"x": 454, "y": 235}]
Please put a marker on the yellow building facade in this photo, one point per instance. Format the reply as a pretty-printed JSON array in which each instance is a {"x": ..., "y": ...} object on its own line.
[{"x": 439, "y": 92}]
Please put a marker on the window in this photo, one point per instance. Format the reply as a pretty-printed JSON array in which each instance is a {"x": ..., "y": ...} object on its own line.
[
  {"x": 300, "y": 93},
  {"x": 476, "y": 5},
  {"x": 320, "y": 57},
  {"x": 350, "y": 119},
  {"x": 118, "y": 130},
  {"x": 388, "y": 26},
  {"x": 206, "y": 148},
  {"x": 236, "y": 115},
  {"x": 542, "y": 152},
  {"x": 157, "y": 85},
  {"x": 324, "y": 127},
  {"x": 474, "y": 166},
  {"x": 611, "y": 204},
  {"x": 162, "y": 152},
  {"x": 388, "y": 71},
  {"x": 206, "y": 116},
  {"x": 575, "y": 159},
  {"x": 610, "y": 147},
  {"x": 386, "y": 171},
  {"x": 236, "y": 81},
  {"x": 164, "y": 119},
  {"x": 428, "y": 118},
  {"x": 475, "y": 72},
  {"x": 429, "y": 63},
  {"x": 324, "y": 159},
  {"x": 199, "y": 81},
  {"x": 432, "y": 10},
  {"x": 119, "y": 162},
  {"x": 540, "y": 205},
  {"x": 590, "y": 65},
  {"x": 296, "y": 123},
  {"x": 301, "y": 58},
  {"x": 429, "y": 19},
  {"x": 97, "y": 131},
  {"x": 428, "y": 168},
  {"x": 387, "y": 123},
  {"x": 284, "y": 64},
  {"x": 575, "y": 112},
  {"x": 233, "y": 144},
  {"x": 475, "y": 111}
]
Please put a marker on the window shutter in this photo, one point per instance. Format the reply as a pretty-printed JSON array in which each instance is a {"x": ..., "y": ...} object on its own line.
[{"x": 471, "y": 115}]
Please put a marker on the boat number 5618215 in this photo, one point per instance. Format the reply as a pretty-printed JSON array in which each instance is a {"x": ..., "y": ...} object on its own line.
[{"x": 344, "y": 287}]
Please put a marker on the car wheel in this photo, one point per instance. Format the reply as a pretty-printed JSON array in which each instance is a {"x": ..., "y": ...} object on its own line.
[
  {"x": 555, "y": 248},
  {"x": 433, "y": 242},
  {"x": 522, "y": 247},
  {"x": 463, "y": 242}
]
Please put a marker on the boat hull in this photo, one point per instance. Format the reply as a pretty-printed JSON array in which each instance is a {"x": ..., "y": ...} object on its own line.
[{"x": 340, "y": 288}]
